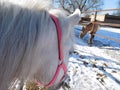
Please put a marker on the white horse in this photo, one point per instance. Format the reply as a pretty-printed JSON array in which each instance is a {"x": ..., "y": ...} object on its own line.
[{"x": 29, "y": 44}]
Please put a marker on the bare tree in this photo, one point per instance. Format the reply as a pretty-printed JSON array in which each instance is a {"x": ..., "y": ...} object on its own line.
[{"x": 83, "y": 5}]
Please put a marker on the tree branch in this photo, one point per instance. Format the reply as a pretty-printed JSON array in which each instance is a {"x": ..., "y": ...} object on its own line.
[{"x": 84, "y": 4}]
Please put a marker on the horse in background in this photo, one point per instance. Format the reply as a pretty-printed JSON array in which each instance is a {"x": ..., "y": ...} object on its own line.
[
  {"x": 29, "y": 44},
  {"x": 92, "y": 29}
]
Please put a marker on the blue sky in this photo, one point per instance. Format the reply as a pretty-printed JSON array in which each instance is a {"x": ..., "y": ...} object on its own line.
[{"x": 109, "y": 4}]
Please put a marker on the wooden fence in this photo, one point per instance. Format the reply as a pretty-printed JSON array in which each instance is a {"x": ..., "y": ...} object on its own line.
[
  {"x": 111, "y": 20},
  {"x": 103, "y": 22}
]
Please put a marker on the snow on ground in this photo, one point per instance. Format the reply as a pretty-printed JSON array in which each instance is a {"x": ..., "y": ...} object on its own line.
[{"x": 96, "y": 67}]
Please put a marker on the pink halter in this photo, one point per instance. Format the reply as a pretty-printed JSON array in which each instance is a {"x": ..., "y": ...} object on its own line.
[{"x": 61, "y": 65}]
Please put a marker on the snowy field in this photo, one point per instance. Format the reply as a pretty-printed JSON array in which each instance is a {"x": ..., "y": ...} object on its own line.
[{"x": 96, "y": 67}]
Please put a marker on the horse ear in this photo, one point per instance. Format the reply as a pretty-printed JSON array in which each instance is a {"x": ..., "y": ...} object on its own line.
[{"x": 75, "y": 17}]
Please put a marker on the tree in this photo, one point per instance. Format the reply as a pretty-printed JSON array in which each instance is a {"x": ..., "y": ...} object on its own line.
[{"x": 83, "y": 5}]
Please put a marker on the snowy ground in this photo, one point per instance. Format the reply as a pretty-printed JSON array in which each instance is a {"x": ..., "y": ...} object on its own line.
[{"x": 96, "y": 67}]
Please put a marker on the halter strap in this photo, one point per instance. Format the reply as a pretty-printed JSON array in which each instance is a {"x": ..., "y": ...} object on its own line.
[{"x": 61, "y": 64}]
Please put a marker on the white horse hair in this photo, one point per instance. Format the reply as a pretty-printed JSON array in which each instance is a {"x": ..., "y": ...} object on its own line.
[{"x": 28, "y": 41}]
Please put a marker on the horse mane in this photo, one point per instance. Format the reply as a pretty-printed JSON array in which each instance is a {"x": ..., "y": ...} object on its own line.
[
  {"x": 32, "y": 4},
  {"x": 21, "y": 25}
]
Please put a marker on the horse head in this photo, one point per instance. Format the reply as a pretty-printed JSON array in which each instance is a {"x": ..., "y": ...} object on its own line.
[{"x": 29, "y": 43}]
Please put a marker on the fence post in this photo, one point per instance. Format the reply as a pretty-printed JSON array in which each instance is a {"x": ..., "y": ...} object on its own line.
[{"x": 94, "y": 20}]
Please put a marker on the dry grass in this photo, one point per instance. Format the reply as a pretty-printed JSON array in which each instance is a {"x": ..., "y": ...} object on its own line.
[{"x": 33, "y": 86}]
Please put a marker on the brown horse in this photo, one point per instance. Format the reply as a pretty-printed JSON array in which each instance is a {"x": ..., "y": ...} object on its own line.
[{"x": 92, "y": 28}]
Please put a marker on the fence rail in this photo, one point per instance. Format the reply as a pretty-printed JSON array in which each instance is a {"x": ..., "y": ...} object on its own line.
[
  {"x": 101, "y": 10},
  {"x": 114, "y": 39},
  {"x": 107, "y": 24}
]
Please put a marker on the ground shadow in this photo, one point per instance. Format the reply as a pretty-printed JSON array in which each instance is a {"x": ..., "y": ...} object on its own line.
[
  {"x": 87, "y": 64},
  {"x": 101, "y": 43}
]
